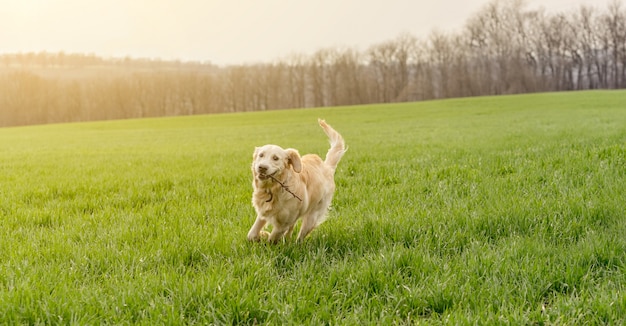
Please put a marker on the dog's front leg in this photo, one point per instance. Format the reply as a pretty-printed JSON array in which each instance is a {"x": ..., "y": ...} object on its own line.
[
  {"x": 277, "y": 233},
  {"x": 255, "y": 231}
]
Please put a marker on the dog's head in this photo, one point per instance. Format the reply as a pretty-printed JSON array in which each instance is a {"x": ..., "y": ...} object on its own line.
[{"x": 272, "y": 160}]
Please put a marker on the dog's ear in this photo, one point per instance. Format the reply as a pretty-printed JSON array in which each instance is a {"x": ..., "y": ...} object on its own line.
[
  {"x": 256, "y": 152},
  {"x": 294, "y": 159}
]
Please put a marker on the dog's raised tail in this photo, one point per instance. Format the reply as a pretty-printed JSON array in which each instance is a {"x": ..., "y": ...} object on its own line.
[{"x": 337, "y": 145}]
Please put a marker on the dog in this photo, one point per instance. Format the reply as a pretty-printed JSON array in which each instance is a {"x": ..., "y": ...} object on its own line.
[{"x": 287, "y": 187}]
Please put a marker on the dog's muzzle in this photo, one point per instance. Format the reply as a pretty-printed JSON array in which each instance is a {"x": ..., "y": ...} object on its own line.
[{"x": 262, "y": 172}]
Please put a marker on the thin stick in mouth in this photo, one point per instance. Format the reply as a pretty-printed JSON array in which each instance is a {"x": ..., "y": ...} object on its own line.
[{"x": 282, "y": 185}]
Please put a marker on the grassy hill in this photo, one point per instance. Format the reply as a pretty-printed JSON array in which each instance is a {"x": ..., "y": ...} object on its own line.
[{"x": 483, "y": 210}]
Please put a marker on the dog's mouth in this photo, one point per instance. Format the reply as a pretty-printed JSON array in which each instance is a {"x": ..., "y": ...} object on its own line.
[{"x": 265, "y": 176}]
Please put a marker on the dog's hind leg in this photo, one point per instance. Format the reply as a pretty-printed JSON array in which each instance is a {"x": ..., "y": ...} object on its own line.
[
  {"x": 290, "y": 231},
  {"x": 309, "y": 223}
]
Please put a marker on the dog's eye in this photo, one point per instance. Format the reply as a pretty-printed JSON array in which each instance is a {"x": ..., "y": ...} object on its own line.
[
  {"x": 275, "y": 158},
  {"x": 261, "y": 155}
]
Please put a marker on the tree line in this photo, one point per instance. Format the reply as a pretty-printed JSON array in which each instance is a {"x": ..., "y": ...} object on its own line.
[{"x": 504, "y": 48}]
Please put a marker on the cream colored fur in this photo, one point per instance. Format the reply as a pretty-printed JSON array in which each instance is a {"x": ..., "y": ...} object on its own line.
[{"x": 310, "y": 187}]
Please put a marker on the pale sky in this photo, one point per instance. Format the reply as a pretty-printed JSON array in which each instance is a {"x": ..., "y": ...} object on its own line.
[{"x": 230, "y": 31}]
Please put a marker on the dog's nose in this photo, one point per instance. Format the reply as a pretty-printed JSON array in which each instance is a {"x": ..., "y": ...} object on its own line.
[{"x": 262, "y": 168}]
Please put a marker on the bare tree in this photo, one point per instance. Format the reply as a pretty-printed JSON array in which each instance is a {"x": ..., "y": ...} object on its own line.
[
  {"x": 297, "y": 81},
  {"x": 615, "y": 26},
  {"x": 318, "y": 66}
]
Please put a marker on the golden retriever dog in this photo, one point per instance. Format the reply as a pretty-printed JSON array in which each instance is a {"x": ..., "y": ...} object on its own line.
[{"x": 288, "y": 187}]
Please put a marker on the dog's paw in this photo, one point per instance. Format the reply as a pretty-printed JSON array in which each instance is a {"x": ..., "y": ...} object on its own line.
[
  {"x": 254, "y": 237},
  {"x": 263, "y": 235}
]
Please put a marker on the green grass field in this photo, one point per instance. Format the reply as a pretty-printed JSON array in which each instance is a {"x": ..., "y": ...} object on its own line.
[{"x": 496, "y": 210}]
